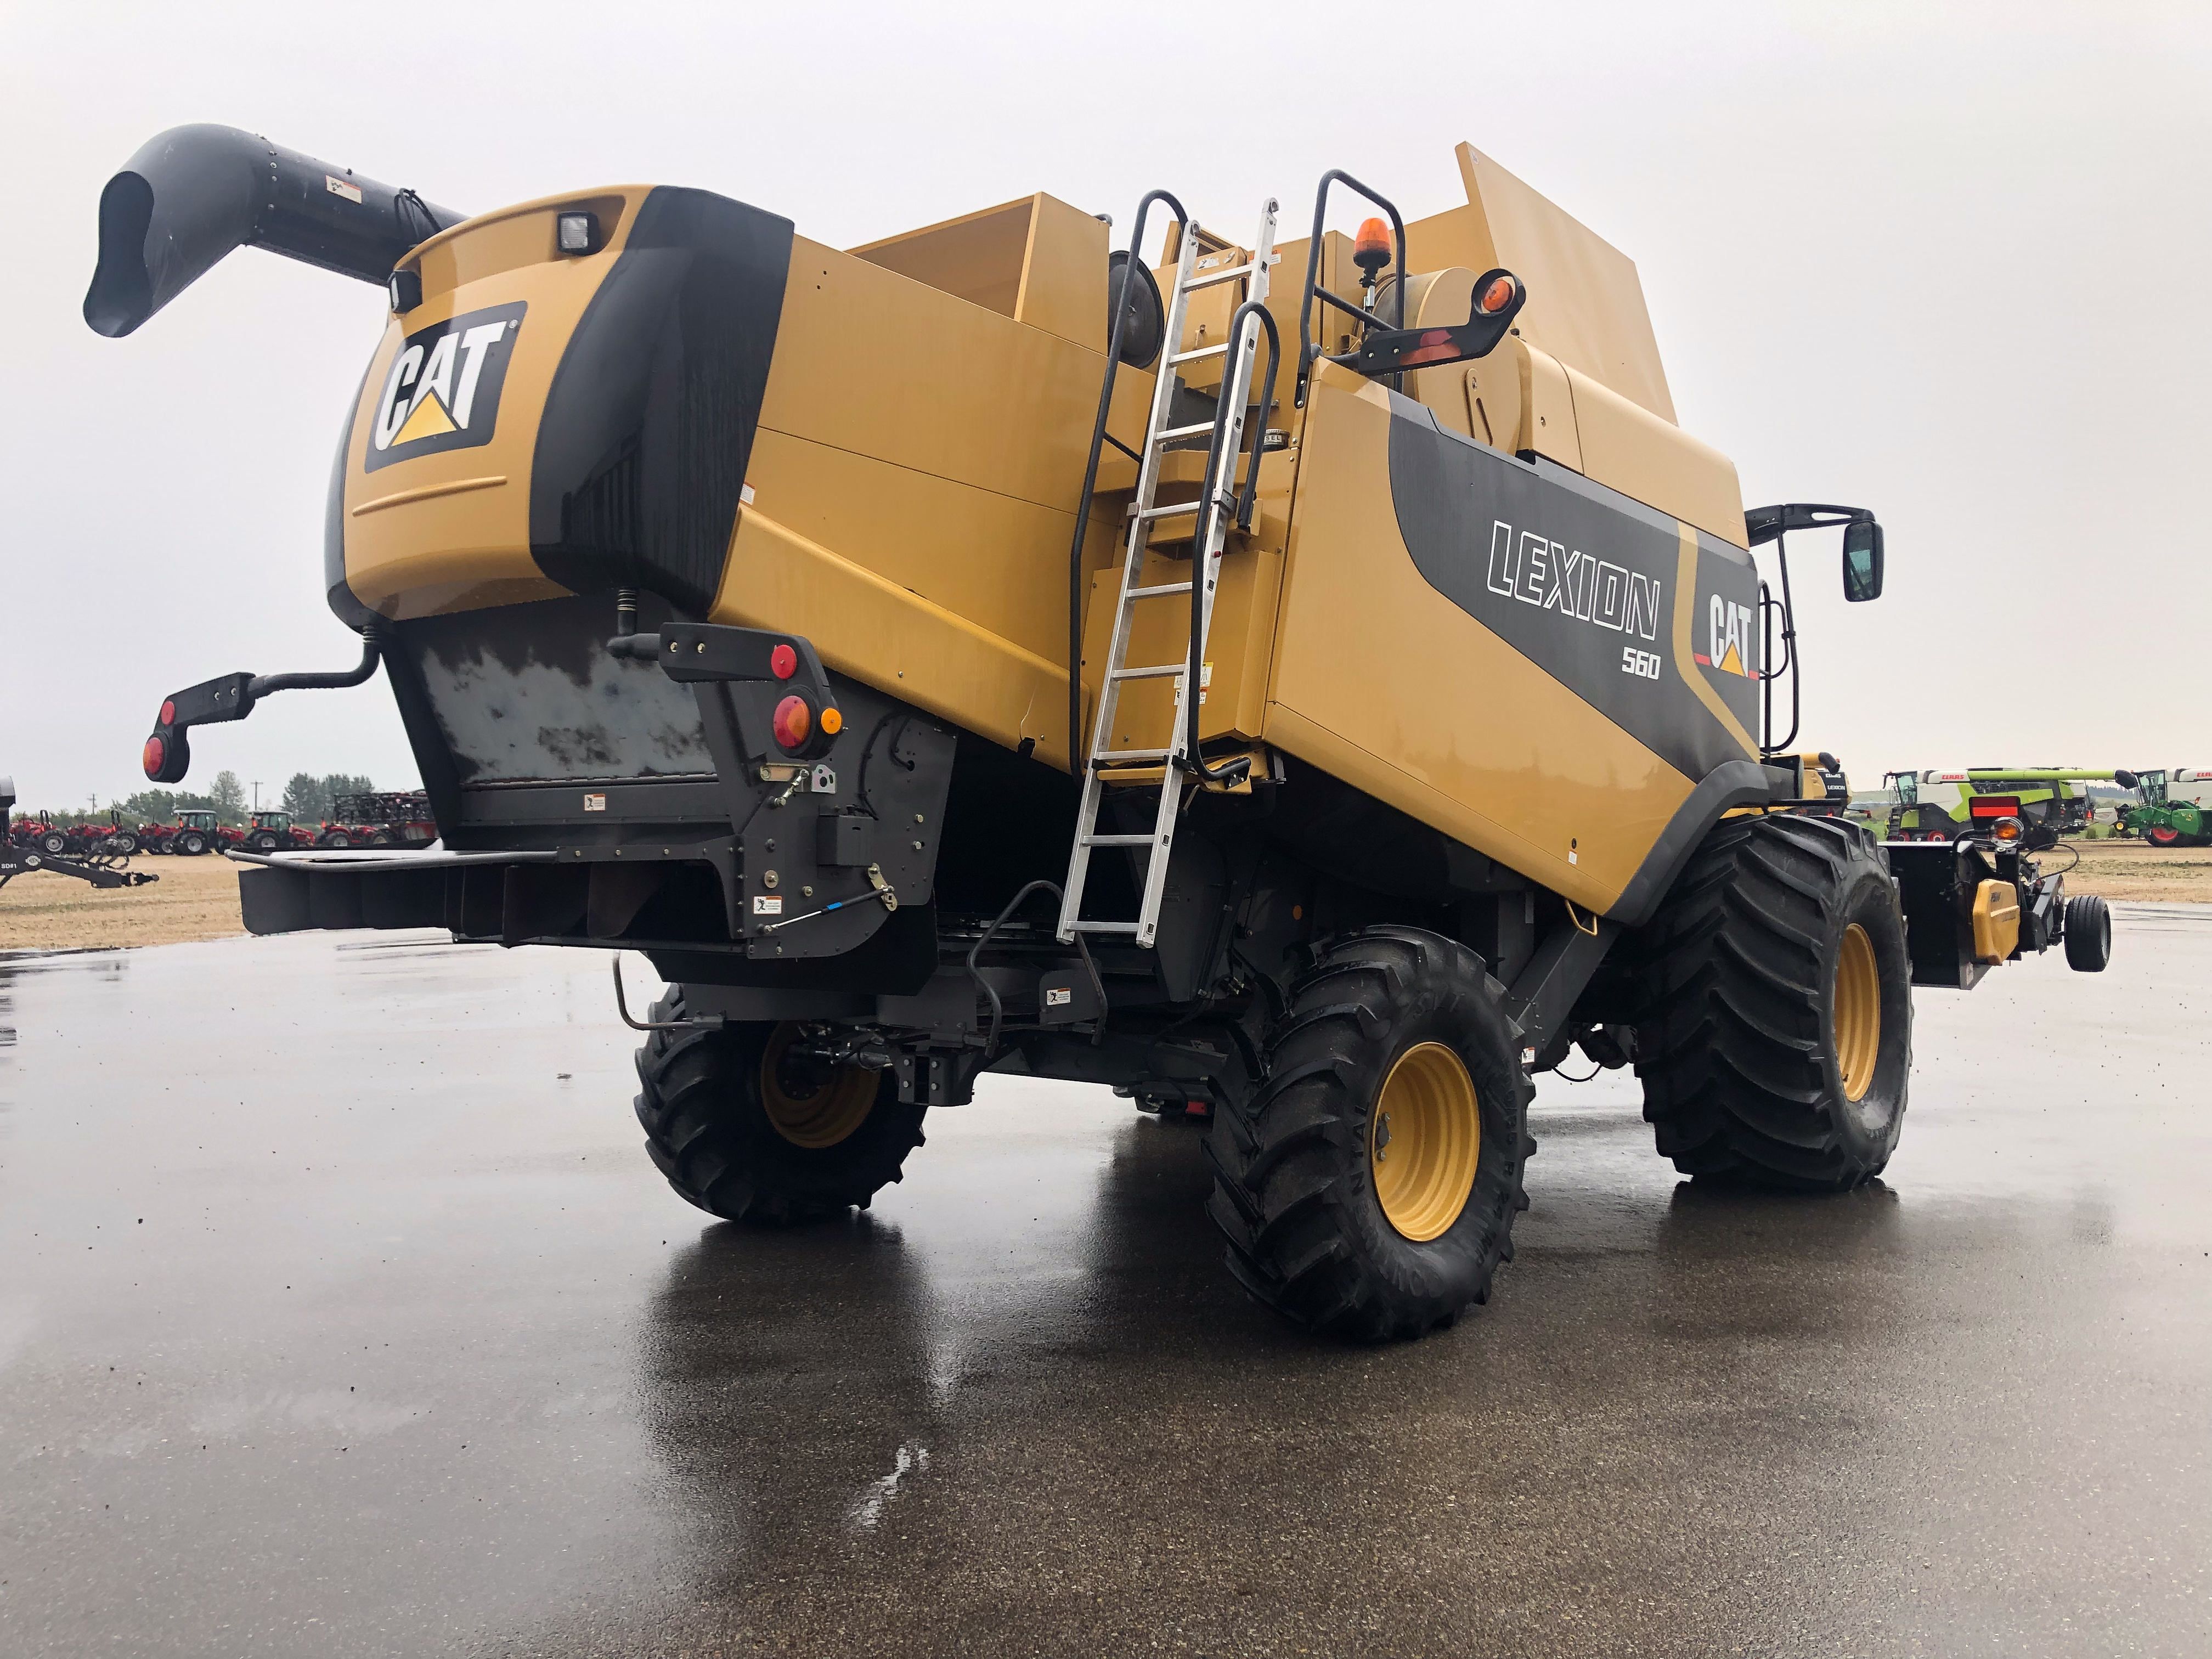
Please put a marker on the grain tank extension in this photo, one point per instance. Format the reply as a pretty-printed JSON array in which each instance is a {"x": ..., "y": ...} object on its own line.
[{"x": 1311, "y": 682}]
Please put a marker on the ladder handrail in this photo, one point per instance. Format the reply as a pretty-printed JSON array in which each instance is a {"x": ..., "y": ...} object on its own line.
[
  {"x": 1307, "y": 351},
  {"x": 1193, "y": 761},
  {"x": 1076, "y": 757}
]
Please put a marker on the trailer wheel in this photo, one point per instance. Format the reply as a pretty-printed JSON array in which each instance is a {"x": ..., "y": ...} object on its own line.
[
  {"x": 2089, "y": 934},
  {"x": 1775, "y": 1037},
  {"x": 1368, "y": 1188},
  {"x": 741, "y": 1129}
]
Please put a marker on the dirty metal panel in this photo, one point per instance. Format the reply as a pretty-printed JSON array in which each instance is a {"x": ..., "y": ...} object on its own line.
[{"x": 527, "y": 693}]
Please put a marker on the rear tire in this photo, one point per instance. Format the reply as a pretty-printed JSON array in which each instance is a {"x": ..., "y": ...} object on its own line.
[
  {"x": 741, "y": 1136},
  {"x": 192, "y": 844},
  {"x": 2088, "y": 933},
  {"x": 1775, "y": 1043},
  {"x": 2162, "y": 834},
  {"x": 1398, "y": 1023}
]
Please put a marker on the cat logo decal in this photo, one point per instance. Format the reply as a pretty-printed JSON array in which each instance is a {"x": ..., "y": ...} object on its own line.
[{"x": 442, "y": 390}]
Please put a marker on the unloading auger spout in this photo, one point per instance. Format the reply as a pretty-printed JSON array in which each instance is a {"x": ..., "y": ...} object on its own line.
[{"x": 193, "y": 193}]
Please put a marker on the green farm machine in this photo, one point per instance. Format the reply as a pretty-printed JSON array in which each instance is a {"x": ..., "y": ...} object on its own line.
[
  {"x": 1939, "y": 806},
  {"x": 2174, "y": 808}
]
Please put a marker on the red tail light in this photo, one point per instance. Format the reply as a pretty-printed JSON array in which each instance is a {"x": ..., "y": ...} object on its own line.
[
  {"x": 783, "y": 662},
  {"x": 154, "y": 752},
  {"x": 1994, "y": 806},
  {"x": 794, "y": 722}
]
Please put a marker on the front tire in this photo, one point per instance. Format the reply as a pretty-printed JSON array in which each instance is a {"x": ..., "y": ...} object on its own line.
[
  {"x": 744, "y": 1130},
  {"x": 1397, "y": 1047},
  {"x": 1775, "y": 1043},
  {"x": 2089, "y": 934}
]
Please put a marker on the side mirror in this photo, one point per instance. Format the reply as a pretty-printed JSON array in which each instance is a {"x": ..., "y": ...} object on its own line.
[{"x": 1861, "y": 560}]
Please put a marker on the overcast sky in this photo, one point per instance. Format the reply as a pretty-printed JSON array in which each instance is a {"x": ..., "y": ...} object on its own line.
[{"x": 1950, "y": 261}]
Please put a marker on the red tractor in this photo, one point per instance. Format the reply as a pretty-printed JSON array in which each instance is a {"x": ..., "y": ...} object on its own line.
[
  {"x": 39, "y": 834},
  {"x": 400, "y": 819},
  {"x": 194, "y": 832},
  {"x": 109, "y": 838},
  {"x": 275, "y": 832}
]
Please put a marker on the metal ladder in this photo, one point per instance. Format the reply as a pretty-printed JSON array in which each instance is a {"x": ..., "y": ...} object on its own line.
[{"x": 1215, "y": 504}]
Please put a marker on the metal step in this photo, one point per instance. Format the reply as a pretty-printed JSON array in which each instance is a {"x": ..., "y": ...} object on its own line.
[{"x": 1209, "y": 278}]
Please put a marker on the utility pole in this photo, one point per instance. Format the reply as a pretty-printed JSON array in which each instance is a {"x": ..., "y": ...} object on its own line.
[{"x": 257, "y": 794}]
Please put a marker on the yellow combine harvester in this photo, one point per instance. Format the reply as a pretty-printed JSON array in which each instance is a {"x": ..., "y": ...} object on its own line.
[{"x": 1313, "y": 681}]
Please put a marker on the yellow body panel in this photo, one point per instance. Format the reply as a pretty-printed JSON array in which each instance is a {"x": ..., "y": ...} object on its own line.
[
  {"x": 1037, "y": 260},
  {"x": 1628, "y": 448},
  {"x": 1996, "y": 920},
  {"x": 1547, "y": 407},
  {"x": 1583, "y": 346},
  {"x": 1585, "y": 301},
  {"x": 1384, "y": 683},
  {"x": 451, "y": 531},
  {"x": 866, "y": 625},
  {"x": 887, "y": 367}
]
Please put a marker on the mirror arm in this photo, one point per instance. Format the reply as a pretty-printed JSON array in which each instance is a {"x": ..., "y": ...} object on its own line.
[
  {"x": 1789, "y": 660},
  {"x": 1765, "y": 524}
]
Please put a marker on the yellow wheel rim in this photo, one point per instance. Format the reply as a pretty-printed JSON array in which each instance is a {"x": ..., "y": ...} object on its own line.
[
  {"x": 1858, "y": 1012},
  {"x": 1425, "y": 1141},
  {"x": 819, "y": 1117}
]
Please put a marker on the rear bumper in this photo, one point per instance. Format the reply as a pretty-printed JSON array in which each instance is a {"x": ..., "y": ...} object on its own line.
[{"x": 632, "y": 795}]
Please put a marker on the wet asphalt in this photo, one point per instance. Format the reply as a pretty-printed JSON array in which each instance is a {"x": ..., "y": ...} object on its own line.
[{"x": 342, "y": 1313}]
